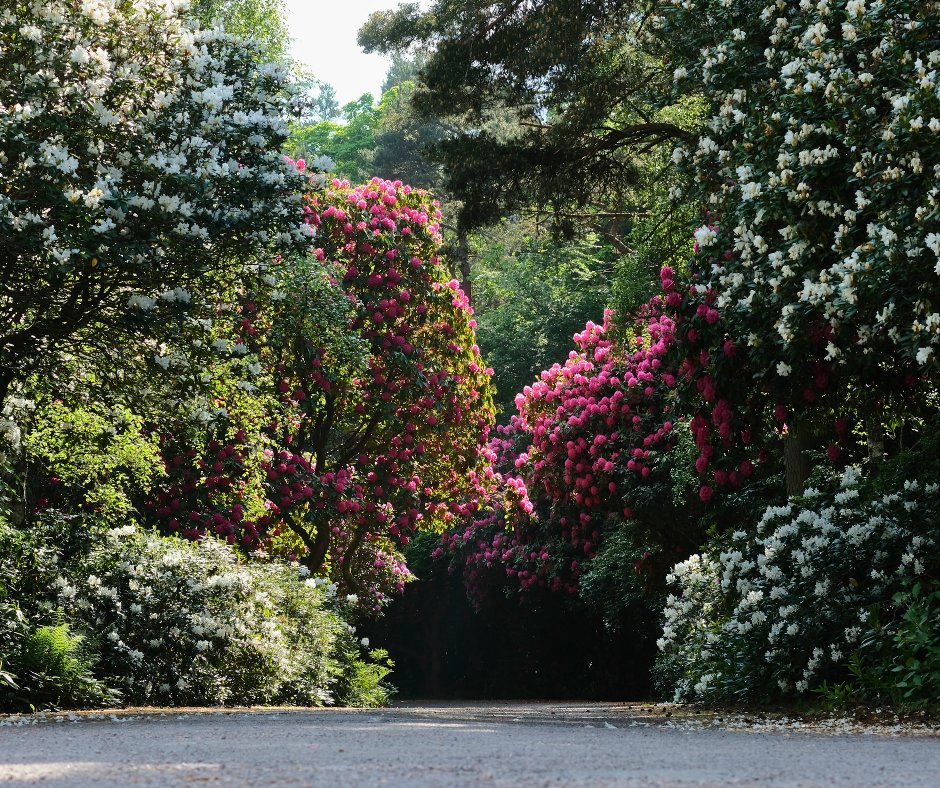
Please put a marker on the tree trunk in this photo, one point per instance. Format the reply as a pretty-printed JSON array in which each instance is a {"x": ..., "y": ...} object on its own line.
[
  {"x": 316, "y": 545},
  {"x": 876, "y": 437},
  {"x": 6, "y": 380},
  {"x": 795, "y": 460}
]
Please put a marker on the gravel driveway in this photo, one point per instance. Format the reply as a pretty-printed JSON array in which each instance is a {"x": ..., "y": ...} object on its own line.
[{"x": 522, "y": 744}]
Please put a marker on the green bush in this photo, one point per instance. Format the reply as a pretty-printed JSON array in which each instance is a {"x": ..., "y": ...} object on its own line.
[
  {"x": 898, "y": 662},
  {"x": 56, "y": 666},
  {"x": 43, "y": 662}
]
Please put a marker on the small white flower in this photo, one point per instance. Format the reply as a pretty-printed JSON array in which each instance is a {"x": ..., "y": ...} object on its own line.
[
  {"x": 705, "y": 236},
  {"x": 80, "y": 56}
]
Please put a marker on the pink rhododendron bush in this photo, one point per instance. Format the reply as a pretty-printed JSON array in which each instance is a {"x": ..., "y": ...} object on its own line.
[
  {"x": 363, "y": 408},
  {"x": 590, "y": 455}
]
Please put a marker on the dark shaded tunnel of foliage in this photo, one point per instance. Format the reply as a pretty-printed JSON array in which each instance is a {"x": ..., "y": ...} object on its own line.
[{"x": 542, "y": 646}]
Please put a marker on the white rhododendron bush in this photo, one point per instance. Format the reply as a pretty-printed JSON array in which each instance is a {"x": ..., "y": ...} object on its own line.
[
  {"x": 782, "y": 609},
  {"x": 818, "y": 271},
  {"x": 819, "y": 165},
  {"x": 139, "y": 156},
  {"x": 179, "y": 622}
]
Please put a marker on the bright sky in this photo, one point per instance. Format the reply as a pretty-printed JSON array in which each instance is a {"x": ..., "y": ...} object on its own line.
[{"x": 325, "y": 39}]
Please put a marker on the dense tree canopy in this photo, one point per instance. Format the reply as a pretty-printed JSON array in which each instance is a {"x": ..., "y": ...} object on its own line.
[
  {"x": 554, "y": 99},
  {"x": 242, "y": 398}
]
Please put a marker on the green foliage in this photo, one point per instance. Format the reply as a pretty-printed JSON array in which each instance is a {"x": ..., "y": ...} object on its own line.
[
  {"x": 914, "y": 666},
  {"x": 405, "y": 67},
  {"x": 13, "y": 629},
  {"x": 261, "y": 20},
  {"x": 56, "y": 666},
  {"x": 363, "y": 682},
  {"x": 531, "y": 295},
  {"x": 403, "y": 139},
  {"x": 349, "y": 145},
  {"x": 99, "y": 457},
  {"x": 618, "y": 583},
  {"x": 325, "y": 106},
  {"x": 550, "y": 100},
  {"x": 44, "y": 663},
  {"x": 682, "y": 465},
  {"x": 898, "y": 663},
  {"x": 657, "y": 233}
]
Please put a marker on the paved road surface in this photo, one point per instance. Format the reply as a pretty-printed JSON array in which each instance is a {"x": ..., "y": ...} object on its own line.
[{"x": 449, "y": 745}]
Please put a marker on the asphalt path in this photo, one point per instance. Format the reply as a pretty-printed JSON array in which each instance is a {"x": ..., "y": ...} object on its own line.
[{"x": 511, "y": 744}]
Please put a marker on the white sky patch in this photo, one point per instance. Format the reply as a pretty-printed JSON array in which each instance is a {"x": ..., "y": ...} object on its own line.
[{"x": 324, "y": 33}]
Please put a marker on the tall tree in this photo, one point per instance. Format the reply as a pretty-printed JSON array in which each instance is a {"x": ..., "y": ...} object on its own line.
[
  {"x": 369, "y": 407},
  {"x": 554, "y": 99}
]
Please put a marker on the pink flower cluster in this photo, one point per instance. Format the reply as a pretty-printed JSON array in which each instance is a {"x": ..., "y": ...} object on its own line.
[
  {"x": 589, "y": 435},
  {"x": 356, "y": 463}
]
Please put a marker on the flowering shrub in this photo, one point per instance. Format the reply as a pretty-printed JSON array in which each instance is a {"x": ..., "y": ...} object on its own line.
[
  {"x": 591, "y": 450},
  {"x": 781, "y": 609},
  {"x": 138, "y": 158},
  {"x": 178, "y": 622},
  {"x": 363, "y": 406},
  {"x": 820, "y": 252},
  {"x": 44, "y": 662}
]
